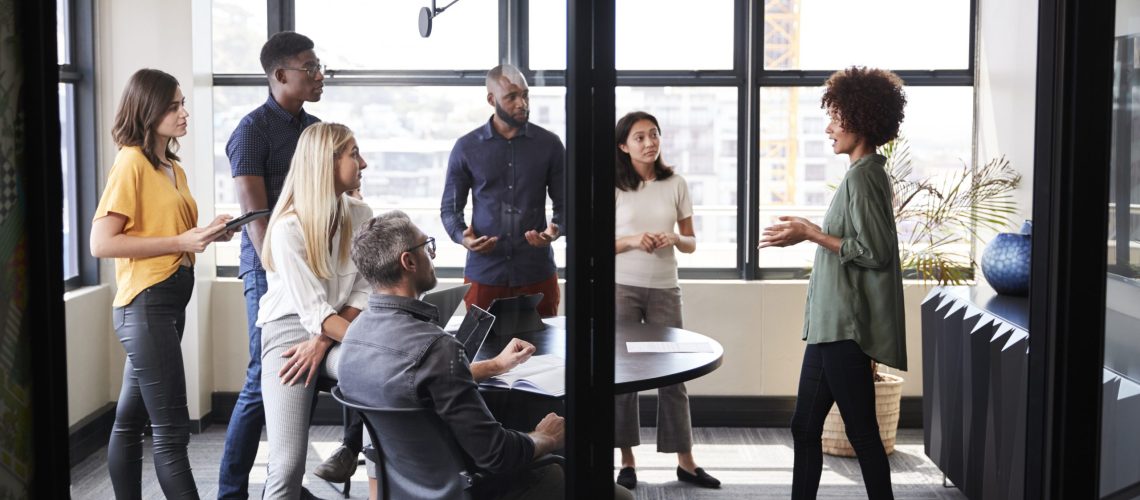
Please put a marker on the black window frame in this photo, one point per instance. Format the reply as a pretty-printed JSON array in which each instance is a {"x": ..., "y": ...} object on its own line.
[
  {"x": 79, "y": 72},
  {"x": 747, "y": 75}
]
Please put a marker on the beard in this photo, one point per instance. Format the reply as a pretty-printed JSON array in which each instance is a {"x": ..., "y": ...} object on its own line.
[
  {"x": 511, "y": 120},
  {"x": 426, "y": 283}
]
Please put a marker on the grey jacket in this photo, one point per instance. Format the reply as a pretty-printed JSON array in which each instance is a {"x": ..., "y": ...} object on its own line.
[{"x": 392, "y": 356}]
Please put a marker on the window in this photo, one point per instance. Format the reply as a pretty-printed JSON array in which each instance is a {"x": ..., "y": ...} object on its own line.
[
  {"x": 76, "y": 127},
  {"x": 409, "y": 98}
]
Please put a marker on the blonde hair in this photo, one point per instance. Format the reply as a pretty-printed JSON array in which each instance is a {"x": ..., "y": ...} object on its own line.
[{"x": 309, "y": 194}]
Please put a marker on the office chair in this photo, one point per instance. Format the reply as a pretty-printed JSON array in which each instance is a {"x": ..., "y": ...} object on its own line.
[
  {"x": 326, "y": 384},
  {"x": 416, "y": 455}
]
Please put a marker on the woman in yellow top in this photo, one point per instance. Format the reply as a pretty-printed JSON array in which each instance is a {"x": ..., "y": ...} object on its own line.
[{"x": 146, "y": 221}]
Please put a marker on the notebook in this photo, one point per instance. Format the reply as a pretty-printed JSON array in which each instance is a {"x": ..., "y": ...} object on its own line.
[
  {"x": 446, "y": 301},
  {"x": 476, "y": 325},
  {"x": 517, "y": 315},
  {"x": 544, "y": 374}
]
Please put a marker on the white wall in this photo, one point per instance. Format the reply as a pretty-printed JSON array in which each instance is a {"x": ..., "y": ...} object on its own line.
[
  {"x": 94, "y": 358},
  {"x": 1006, "y": 89}
]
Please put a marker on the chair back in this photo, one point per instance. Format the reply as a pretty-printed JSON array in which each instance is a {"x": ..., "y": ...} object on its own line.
[{"x": 418, "y": 457}]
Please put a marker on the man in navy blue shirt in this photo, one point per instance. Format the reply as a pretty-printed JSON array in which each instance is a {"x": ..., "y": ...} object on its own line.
[
  {"x": 508, "y": 166},
  {"x": 260, "y": 150}
]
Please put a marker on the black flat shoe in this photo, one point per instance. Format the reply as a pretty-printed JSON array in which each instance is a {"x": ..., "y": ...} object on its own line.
[
  {"x": 627, "y": 477},
  {"x": 701, "y": 478}
]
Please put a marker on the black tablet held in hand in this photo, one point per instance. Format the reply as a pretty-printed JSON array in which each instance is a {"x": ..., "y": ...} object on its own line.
[{"x": 246, "y": 218}]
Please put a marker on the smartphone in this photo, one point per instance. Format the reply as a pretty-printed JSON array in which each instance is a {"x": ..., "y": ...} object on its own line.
[{"x": 246, "y": 218}]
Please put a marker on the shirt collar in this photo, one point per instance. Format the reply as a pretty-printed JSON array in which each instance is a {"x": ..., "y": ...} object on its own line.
[
  {"x": 418, "y": 308},
  {"x": 280, "y": 112},
  {"x": 488, "y": 132}
]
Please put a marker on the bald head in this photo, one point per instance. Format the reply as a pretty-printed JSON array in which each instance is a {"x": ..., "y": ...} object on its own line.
[{"x": 504, "y": 75}]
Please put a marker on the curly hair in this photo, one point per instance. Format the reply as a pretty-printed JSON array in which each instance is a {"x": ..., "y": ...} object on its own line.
[{"x": 868, "y": 102}]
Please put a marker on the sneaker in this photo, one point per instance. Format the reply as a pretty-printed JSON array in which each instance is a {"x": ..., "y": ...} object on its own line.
[
  {"x": 627, "y": 477},
  {"x": 701, "y": 478},
  {"x": 339, "y": 467}
]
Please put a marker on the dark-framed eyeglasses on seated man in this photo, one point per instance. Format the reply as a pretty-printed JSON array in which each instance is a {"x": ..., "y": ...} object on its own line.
[
  {"x": 312, "y": 71},
  {"x": 430, "y": 243}
]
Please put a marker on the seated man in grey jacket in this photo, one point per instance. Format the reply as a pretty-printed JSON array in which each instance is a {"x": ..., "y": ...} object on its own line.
[{"x": 416, "y": 366}]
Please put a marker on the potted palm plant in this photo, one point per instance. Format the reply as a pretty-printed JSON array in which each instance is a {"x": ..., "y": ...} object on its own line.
[{"x": 936, "y": 222}]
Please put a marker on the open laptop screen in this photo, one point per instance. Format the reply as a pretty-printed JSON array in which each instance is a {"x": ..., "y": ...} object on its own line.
[
  {"x": 476, "y": 325},
  {"x": 446, "y": 302}
]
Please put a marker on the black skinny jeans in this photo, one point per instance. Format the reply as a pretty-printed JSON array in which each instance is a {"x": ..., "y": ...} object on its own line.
[
  {"x": 837, "y": 372},
  {"x": 154, "y": 386}
]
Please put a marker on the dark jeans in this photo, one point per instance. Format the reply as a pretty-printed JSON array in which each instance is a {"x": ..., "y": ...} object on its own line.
[
  {"x": 248, "y": 417},
  {"x": 837, "y": 372},
  {"x": 154, "y": 386}
]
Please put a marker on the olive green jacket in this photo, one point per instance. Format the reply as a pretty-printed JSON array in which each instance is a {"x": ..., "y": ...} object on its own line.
[{"x": 857, "y": 294}]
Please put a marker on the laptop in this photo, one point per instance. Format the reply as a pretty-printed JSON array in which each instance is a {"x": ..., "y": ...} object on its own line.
[
  {"x": 476, "y": 325},
  {"x": 446, "y": 301},
  {"x": 516, "y": 315}
]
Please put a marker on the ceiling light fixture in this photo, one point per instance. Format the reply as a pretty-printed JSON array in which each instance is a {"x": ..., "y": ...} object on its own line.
[{"x": 429, "y": 13}]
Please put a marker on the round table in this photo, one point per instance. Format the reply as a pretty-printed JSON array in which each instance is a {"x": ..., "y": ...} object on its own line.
[{"x": 632, "y": 371}]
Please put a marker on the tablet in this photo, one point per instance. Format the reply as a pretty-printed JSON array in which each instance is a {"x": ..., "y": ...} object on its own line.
[
  {"x": 516, "y": 315},
  {"x": 246, "y": 218}
]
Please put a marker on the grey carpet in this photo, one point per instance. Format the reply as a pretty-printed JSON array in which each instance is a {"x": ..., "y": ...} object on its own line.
[{"x": 752, "y": 464}]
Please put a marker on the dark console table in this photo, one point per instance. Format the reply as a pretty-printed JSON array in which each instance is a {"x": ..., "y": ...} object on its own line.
[{"x": 975, "y": 349}]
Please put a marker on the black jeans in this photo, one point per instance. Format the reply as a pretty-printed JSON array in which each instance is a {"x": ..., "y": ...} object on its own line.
[
  {"x": 837, "y": 372},
  {"x": 154, "y": 386}
]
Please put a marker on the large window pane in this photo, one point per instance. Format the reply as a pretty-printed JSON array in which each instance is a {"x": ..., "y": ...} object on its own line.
[
  {"x": 674, "y": 34},
  {"x": 366, "y": 34},
  {"x": 547, "y": 21},
  {"x": 798, "y": 174},
  {"x": 698, "y": 139},
  {"x": 895, "y": 34},
  {"x": 67, "y": 160},
  {"x": 406, "y": 135},
  {"x": 239, "y": 28}
]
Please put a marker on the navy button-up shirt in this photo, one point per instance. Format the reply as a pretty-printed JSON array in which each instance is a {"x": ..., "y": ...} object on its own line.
[
  {"x": 263, "y": 145},
  {"x": 509, "y": 180}
]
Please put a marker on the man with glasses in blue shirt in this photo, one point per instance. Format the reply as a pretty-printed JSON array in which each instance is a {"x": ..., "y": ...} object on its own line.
[
  {"x": 508, "y": 166},
  {"x": 260, "y": 151}
]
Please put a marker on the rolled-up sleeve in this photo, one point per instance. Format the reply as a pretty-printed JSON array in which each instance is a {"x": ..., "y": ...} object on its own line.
[
  {"x": 446, "y": 375},
  {"x": 455, "y": 191},
  {"x": 871, "y": 216},
  {"x": 304, "y": 288}
]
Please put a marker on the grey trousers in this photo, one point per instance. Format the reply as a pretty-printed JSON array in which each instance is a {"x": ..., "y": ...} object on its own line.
[
  {"x": 654, "y": 306},
  {"x": 287, "y": 407}
]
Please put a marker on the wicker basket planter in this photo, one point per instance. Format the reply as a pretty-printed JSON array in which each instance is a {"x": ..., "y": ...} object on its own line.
[{"x": 888, "y": 394}]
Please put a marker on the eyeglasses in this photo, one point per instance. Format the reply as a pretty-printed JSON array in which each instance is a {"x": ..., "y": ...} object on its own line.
[
  {"x": 430, "y": 243},
  {"x": 312, "y": 71}
]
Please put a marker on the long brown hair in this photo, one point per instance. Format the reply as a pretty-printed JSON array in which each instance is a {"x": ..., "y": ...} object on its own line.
[
  {"x": 145, "y": 102},
  {"x": 626, "y": 177}
]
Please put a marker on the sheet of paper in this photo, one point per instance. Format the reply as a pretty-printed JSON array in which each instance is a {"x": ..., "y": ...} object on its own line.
[{"x": 633, "y": 347}]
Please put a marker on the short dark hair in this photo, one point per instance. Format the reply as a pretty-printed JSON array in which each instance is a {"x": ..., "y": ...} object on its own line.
[
  {"x": 145, "y": 102},
  {"x": 626, "y": 177},
  {"x": 377, "y": 247},
  {"x": 869, "y": 102},
  {"x": 281, "y": 46}
]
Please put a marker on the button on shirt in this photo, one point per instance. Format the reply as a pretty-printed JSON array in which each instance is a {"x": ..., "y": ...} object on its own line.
[
  {"x": 509, "y": 180},
  {"x": 262, "y": 145},
  {"x": 394, "y": 357},
  {"x": 857, "y": 294}
]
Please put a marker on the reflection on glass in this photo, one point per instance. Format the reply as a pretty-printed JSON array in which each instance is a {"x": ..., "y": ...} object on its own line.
[
  {"x": 366, "y": 34},
  {"x": 1120, "y": 436},
  {"x": 238, "y": 31},
  {"x": 63, "y": 31},
  {"x": 67, "y": 162},
  {"x": 674, "y": 34},
  {"x": 833, "y": 34},
  {"x": 698, "y": 137},
  {"x": 798, "y": 169},
  {"x": 405, "y": 134}
]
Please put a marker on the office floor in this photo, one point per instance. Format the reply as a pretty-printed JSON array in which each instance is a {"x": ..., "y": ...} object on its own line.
[{"x": 752, "y": 464}]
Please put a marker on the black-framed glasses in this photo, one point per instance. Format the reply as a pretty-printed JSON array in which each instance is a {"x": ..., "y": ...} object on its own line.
[
  {"x": 430, "y": 243},
  {"x": 312, "y": 71}
]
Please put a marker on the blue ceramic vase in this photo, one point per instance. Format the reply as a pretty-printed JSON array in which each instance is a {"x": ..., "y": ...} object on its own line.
[{"x": 1005, "y": 262}]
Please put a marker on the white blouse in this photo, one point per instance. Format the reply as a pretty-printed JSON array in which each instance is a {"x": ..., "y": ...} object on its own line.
[
  {"x": 293, "y": 288},
  {"x": 654, "y": 207}
]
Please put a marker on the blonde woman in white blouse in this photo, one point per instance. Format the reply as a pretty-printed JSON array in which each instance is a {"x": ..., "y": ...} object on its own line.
[{"x": 314, "y": 292}]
